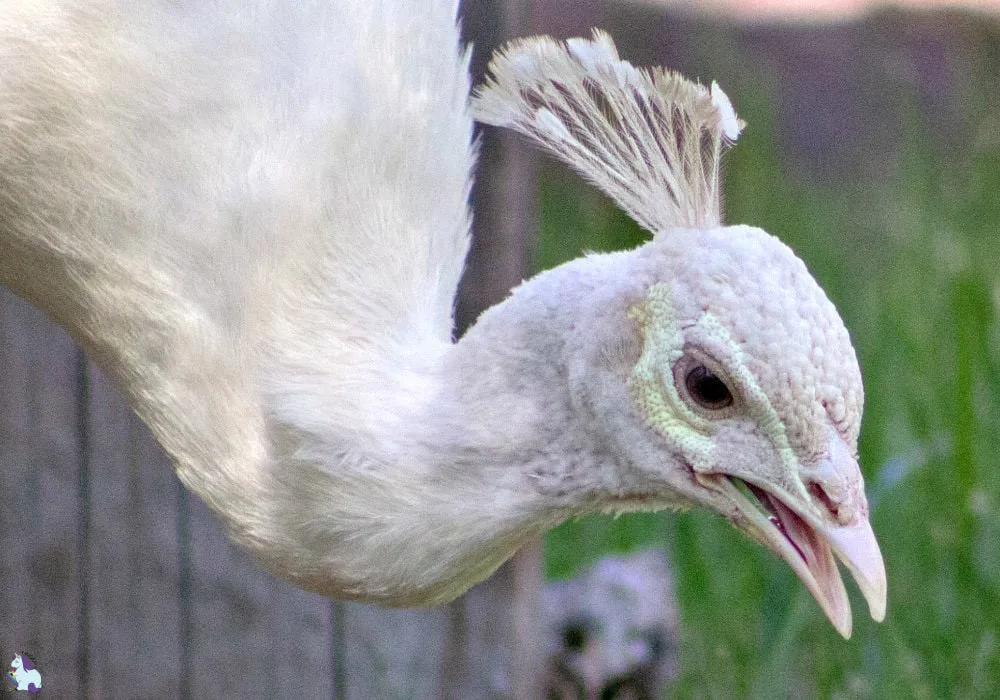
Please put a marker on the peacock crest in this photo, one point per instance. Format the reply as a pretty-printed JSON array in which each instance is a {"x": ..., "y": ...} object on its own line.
[{"x": 652, "y": 140}]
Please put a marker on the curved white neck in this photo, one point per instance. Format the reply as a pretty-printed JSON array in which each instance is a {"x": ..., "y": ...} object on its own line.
[{"x": 496, "y": 448}]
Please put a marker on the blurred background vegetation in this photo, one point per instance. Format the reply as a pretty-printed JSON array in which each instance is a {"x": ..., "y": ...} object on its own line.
[{"x": 873, "y": 150}]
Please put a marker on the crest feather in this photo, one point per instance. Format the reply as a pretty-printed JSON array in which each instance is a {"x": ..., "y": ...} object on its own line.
[{"x": 650, "y": 139}]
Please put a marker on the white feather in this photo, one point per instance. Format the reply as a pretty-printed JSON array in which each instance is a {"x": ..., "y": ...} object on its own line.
[
  {"x": 731, "y": 124},
  {"x": 185, "y": 189},
  {"x": 651, "y": 140}
]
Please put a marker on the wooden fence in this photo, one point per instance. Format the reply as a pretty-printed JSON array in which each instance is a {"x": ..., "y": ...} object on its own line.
[{"x": 120, "y": 584}]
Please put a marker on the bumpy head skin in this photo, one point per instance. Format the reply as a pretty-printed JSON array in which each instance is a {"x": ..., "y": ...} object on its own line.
[
  {"x": 743, "y": 298},
  {"x": 737, "y": 303}
]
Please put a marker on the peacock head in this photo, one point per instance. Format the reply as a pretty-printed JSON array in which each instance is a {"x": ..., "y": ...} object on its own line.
[
  {"x": 733, "y": 384},
  {"x": 746, "y": 377}
]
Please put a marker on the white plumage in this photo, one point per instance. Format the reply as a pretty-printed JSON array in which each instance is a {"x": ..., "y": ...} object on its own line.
[
  {"x": 651, "y": 140},
  {"x": 253, "y": 215}
]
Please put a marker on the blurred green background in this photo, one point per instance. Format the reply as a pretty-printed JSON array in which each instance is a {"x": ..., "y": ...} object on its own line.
[{"x": 873, "y": 150}]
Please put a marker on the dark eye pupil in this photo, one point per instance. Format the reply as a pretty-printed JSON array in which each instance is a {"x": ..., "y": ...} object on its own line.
[{"x": 707, "y": 389}]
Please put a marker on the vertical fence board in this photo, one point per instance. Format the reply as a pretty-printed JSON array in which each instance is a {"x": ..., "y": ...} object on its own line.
[
  {"x": 18, "y": 483},
  {"x": 482, "y": 659},
  {"x": 394, "y": 653},
  {"x": 40, "y": 546},
  {"x": 252, "y": 635},
  {"x": 134, "y": 563}
]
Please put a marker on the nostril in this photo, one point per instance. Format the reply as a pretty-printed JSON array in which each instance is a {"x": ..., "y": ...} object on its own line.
[{"x": 817, "y": 491}]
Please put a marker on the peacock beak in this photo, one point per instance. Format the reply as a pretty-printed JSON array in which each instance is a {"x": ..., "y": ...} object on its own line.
[
  {"x": 810, "y": 534},
  {"x": 858, "y": 550},
  {"x": 838, "y": 487}
]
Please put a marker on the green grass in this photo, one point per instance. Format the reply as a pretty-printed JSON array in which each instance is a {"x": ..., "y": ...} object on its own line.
[{"x": 912, "y": 260}]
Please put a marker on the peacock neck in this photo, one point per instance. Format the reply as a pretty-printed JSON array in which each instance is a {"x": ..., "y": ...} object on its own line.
[
  {"x": 500, "y": 448},
  {"x": 513, "y": 397},
  {"x": 493, "y": 442}
]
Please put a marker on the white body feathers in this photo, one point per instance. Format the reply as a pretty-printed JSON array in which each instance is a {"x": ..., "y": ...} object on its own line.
[{"x": 253, "y": 226}]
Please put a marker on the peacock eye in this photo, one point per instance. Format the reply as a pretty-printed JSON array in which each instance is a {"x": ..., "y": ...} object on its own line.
[{"x": 706, "y": 388}]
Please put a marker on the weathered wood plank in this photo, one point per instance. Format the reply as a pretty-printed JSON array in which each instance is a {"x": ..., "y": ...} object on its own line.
[
  {"x": 43, "y": 525},
  {"x": 251, "y": 634},
  {"x": 489, "y": 652},
  {"x": 133, "y": 567},
  {"x": 485, "y": 645},
  {"x": 394, "y": 653}
]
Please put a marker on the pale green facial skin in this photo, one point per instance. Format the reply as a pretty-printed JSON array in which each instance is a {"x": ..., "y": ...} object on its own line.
[{"x": 655, "y": 395}]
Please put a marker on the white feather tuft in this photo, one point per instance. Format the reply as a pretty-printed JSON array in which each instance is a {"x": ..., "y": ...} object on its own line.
[
  {"x": 732, "y": 125},
  {"x": 650, "y": 139}
]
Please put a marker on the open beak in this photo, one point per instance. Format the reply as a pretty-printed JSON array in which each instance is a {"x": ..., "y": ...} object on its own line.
[{"x": 811, "y": 540}]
